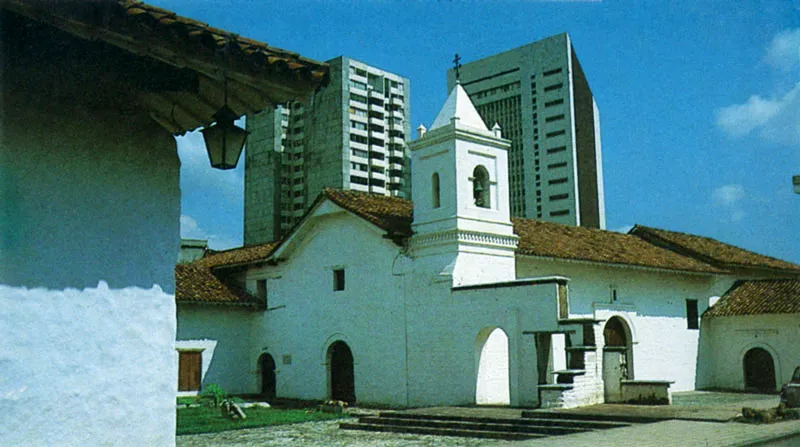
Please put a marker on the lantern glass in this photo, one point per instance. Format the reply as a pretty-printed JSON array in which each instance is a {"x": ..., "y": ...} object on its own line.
[{"x": 224, "y": 144}]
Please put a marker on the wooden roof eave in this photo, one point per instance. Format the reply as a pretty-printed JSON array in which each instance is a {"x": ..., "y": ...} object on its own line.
[{"x": 262, "y": 88}]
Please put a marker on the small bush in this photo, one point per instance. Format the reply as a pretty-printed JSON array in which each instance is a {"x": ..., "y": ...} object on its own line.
[{"x": 215, "y": 393}]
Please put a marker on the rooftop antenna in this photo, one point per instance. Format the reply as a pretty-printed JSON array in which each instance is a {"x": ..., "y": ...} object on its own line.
[{"x": 457, "y": 62}]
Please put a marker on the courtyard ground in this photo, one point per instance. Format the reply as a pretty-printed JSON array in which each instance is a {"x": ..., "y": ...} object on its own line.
[{"x": 702, "y": 413}]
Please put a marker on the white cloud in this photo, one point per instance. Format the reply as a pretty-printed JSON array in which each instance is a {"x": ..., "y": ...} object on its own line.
[
  {"x": 728, "y": 195},
  {"x": 776, "y": 119},
  {"x": 190, "y": 229},
  {"x": 783, "y": 52},
  {"x": 727, "y": 199}
]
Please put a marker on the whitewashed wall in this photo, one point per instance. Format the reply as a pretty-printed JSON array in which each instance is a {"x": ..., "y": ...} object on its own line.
[
  {"x": 445, "y": 330},
  {"x": 226, "y": 337},
  {"x": 652, "y": 303},
  {"x": 309, "y": 316},
  {"x": 732, "y": 337},
  {"x": 90, "y": 196},
  {"x": 87, "y": 367}
]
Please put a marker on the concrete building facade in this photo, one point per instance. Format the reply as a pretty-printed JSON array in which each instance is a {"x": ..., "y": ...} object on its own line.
[
  {"x": 351, "y": 135},
  {"x": 539, "y": 95}
]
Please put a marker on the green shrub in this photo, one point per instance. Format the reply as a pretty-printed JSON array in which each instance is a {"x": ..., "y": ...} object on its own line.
[{"x": 215, "y": 393}]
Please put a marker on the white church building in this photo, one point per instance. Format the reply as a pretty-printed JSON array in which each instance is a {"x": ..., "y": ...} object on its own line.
[{"x": 447, "y": 300}]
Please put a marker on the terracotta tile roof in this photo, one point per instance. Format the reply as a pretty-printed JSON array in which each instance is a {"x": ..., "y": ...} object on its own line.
[
  {"x": 196, "y": 284},
  {"x": 711, "y": 250},
  {"x": 234, "y": 256},
  {"x": 536, "y": 237},
  {"x": 547, "y": 239},
  {"x": 756, "y": 297},
  {"x": 389, "y": 213}
]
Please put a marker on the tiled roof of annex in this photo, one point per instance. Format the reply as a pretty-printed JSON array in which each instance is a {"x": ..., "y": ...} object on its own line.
[
  {"x": 711, "y": 250},
  {"x": 551, "y": 240},
  {"x": 757, "y": 297},
  {"x": 197, "y": 283}
]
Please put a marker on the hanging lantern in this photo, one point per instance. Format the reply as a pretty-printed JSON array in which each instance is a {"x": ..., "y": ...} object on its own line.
[{"x": 224, "y": 139}]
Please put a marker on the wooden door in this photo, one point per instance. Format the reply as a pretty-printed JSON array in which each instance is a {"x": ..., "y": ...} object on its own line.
[{"x": 189, "y": 370}]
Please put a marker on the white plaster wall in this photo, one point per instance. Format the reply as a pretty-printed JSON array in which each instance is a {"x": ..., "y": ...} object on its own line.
[
  {"x": 444, "y": 326},
  {"x": 309, "y": 316},
  {"x": 653, "y": 303},
  {"x": 87, "y": 196},
  {"x": 90, "y": 195},
  {"x": 87, "y": 367},
  {"x": 732, "y": 337},
  {"x": 227, "y": 337}
]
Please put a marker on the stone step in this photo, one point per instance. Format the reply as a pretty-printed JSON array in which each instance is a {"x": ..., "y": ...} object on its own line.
[
  {"x": 581, "y": 348},
  {"x": 496, "y": 425},
  {"x": 628, "y": 419},
  {"x": 557, "y": 422},
  {"x": 422, "y": 430}
]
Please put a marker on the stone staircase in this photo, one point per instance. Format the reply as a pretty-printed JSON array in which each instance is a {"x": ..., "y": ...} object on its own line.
[
  {"x": 529, "y": 425},
  {"x": 581, "y": 383}
]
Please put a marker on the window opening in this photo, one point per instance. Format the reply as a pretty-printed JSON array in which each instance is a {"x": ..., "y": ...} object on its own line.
[
  {"x": 435, "y": 191},
  {"x": 691, "y": 315},
  {"x": 481, "y": 187},
  {"x": 338, "y": 279}
]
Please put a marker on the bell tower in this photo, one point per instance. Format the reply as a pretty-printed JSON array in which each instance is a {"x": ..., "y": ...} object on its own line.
[{"x": 462, "y": 224}]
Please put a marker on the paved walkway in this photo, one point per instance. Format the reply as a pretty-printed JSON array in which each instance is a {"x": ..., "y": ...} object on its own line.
[
  {"x": 697, "y": 410},
  {"x": 675, "y": 433},
  {"x": 688, "y": 405}
]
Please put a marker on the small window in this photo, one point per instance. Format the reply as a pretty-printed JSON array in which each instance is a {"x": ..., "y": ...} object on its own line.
[
  {"x": 261, "y": 291},
  {"x": 435, "y": 190},
  {"x": 338, "y": 279},
  {"x": 692, "y": 321},
  {"x": 480, "y": 187}
]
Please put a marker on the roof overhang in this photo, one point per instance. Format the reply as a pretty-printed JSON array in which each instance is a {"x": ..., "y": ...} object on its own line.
[{"x": 254, "y": 75}]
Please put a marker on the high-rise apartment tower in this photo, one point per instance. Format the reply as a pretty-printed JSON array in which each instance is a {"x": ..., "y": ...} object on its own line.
[
  {"x": 350, "y": 135},
  {"x": 539, "y": 95}
]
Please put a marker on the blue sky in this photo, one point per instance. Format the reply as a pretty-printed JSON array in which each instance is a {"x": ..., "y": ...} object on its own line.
[{"x": 699, "y": 103}]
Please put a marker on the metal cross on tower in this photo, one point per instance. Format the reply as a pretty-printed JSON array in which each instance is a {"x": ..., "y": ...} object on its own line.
[{"x": 457, "y": 62}]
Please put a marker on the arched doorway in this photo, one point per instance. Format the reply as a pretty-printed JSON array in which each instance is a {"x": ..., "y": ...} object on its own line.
[
  {"x": 268, "y": 382},
  {"x": 341, "y": 372},
  {"x": 492, "y": 383},
  {"x": 759, "y": 371},
  {"x": 617, "y": 357}
]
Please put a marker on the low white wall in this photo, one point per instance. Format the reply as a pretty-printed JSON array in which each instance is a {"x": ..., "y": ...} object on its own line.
[
  {"x": 101, "y": 371},
  {"x": 729, "y": 338},
  {"x": 225, "y": 334},
  {"x": 652, "y": 303}
]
